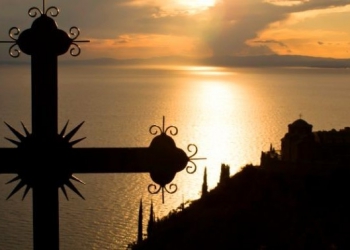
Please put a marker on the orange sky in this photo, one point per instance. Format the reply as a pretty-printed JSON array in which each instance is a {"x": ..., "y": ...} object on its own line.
[{"x": 197, "y": 28}]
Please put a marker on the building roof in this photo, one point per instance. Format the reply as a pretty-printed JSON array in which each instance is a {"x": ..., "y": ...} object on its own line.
[{"x": 300, "y": 123}]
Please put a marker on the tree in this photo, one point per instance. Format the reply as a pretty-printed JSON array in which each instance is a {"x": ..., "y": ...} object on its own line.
[
  {"x": 151, "y": 222},
  {"x": 224, "y": 174},
  {"x": 139, "y": 233},
  {"x": 205, "y": 184}
]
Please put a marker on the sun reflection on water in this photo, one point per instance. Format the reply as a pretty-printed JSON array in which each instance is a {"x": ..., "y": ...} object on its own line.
[{"x": 221, "y": 102}]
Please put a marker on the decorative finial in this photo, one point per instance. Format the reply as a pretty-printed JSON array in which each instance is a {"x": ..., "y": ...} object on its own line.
[
  {"x": 154, "y": 129},
  {"x": 52, "y": 11},
  {"x": 162, "y": 147},
  {"x": 13, "y": 34},
  {"x": 31, "y": 41}
]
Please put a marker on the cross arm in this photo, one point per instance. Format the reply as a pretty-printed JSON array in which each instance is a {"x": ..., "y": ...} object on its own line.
[
  {"x": 112, "y": 160},
  {"x": 104, "y": 160}
]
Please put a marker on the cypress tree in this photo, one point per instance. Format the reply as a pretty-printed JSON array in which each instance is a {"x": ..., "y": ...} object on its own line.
[
  {"x": 139, "y": 233},
  {"x": 205, "y": 184},
  {"x": 225, "y": 173},
  {"x": 151, "y": 222}
]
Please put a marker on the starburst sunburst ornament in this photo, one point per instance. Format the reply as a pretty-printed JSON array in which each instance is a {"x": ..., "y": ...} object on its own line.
[{"x": 39, "y": 163}]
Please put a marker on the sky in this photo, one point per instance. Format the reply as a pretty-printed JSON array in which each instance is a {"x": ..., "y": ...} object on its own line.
[{"x": 125, "y": 29}]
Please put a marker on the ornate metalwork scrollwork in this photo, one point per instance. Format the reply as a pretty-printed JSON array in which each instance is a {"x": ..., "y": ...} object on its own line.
[
  {"x": 74, "y": 33},
  {"x": 13, "y": 34},
  {"x": 154, "y": 129},
  {"x": 52, "y": 11},
  {"x": 13, "y": 50},
  {"x": 74, "y": 50},
  {"x": 14, "y": 31},
  {"x": 171, "y": 190},
  {"x": 192, "y": 159},
  {"x": 167, "y": 159}
]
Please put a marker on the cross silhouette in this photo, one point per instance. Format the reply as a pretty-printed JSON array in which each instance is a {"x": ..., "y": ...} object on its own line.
[{"x": 45, "y": 159}]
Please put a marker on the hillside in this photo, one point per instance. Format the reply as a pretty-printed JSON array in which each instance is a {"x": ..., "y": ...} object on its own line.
[{"x": 264, "y": 208}]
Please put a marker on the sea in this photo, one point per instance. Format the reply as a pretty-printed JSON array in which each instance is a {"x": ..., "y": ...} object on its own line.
[{"x": 230, "y": 114}]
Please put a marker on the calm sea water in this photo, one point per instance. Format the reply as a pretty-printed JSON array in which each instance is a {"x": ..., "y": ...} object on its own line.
[{"x": 230, "y": 114}]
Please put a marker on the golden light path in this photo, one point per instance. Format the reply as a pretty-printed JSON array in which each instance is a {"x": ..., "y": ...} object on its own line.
[{"x": 217, "y": 99}]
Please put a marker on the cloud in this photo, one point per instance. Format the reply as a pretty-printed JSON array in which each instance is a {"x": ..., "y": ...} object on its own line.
[
  {"x": 238, "y": 21},
  {"x": 242, "y": 21},
  {"x": 147, "y": 46},
  {"x": 286, "y": 2},
  {"x": 270, "y": 42}
]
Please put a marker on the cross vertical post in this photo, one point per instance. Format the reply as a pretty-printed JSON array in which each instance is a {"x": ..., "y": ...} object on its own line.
[{"x": 44, "y": 42}]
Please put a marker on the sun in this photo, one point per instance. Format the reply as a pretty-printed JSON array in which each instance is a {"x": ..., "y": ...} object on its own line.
[{"x": 200, "y": 4}]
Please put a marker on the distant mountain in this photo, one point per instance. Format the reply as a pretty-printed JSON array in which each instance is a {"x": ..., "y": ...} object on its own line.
[
  {"x": 224, "y": 61},
  {"x": 233, "y": 61},
  {"x": 277, "y": 61},
  {"x": 171, "y": 60}
]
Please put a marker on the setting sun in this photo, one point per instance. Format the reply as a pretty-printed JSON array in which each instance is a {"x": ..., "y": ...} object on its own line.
[{"x": 198, "y": 3}]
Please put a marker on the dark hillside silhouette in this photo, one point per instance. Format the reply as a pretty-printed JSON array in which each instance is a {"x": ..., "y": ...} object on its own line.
[{"x": 264, "y": 208}]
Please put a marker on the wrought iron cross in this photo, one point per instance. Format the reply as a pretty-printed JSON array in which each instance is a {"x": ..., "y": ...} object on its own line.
[{"x": 45, "y": 159}]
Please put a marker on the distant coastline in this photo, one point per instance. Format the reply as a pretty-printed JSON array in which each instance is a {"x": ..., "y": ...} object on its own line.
[
  {"x": 230, "y": 61},
  {"x": 222, "y": 61}
]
